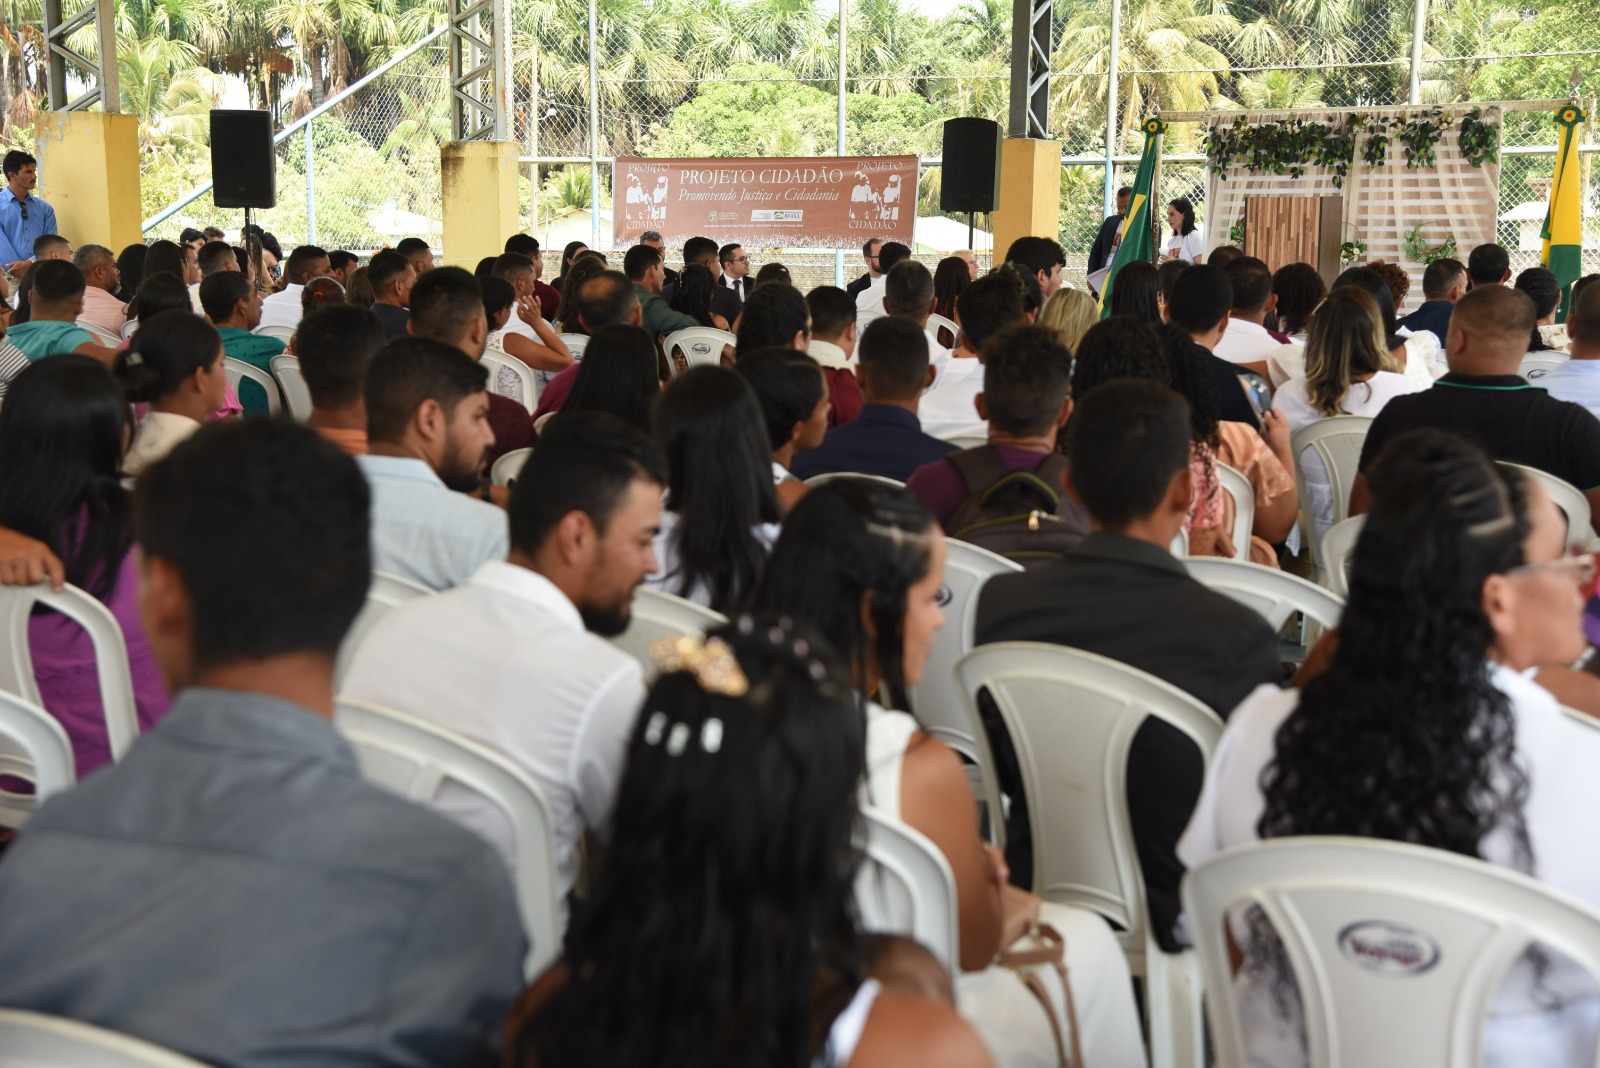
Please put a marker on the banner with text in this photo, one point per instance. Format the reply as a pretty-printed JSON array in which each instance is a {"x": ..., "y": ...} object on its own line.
[{"x": 767, "y": 202}]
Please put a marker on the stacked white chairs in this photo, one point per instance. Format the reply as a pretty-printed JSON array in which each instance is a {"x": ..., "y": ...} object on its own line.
[
  {"x": 1274, "y": 595},
  {"x": 1072, "y": 717},
  {"x": 701, "y": 346},
  {"x": 1338, "y": 547},
  {"x": 296, "y": 394},
  {"x": 1569, "y": 498},
  {"x": 238, "y": 371},
  {"x": 905, "y": 887},
  {"x": 283, "y": 333},
  {"x": 1398, "y": 950},
  {"x": 1236, "y": 485},
  {"x": 656, "y": 615},
  {"x": 416, "y": 759},
  {"x": 575, "y": 343},
  {"x": 1337, "y": 442},
  {"x": 824, "y": 479},
  {"x": 101, "y": 336},
  {"x": 496, "y": 361},
  {"x": 1535, "y": 365},
  {"x": 34, "y": 1040},
  {"x": 387, "y": 592},
  {"x": 505, "y": 470},
  {"x": 35, "y": 748}
]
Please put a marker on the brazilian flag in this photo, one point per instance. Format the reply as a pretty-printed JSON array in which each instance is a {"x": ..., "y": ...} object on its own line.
[
  {"x": 1563, "y": 220},
  {"x": 1137, "y": 239}
]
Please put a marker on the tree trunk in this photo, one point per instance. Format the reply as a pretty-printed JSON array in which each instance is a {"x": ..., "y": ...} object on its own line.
[{"x": 314, "y": 73}]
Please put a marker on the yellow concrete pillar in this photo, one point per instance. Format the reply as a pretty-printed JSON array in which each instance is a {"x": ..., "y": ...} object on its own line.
[
  {"x": 1030, "y": 192},
  {"x": 479, "y": 182},
  {"x": 89, "y": 173}
]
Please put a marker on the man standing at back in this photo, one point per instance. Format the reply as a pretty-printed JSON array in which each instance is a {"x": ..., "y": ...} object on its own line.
[
  {"x": 283, "y": 307},
  {"x": 233, "y": 888},
  {"x": 1105, "y": 242},
  {"x": 23, "y": 216}
]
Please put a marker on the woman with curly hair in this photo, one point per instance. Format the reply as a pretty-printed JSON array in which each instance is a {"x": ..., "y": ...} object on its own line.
[
  {"x": 1425, "y": 729},
  {"x": 1299, "y": 288}
]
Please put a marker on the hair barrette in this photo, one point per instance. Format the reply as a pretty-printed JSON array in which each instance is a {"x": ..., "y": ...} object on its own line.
[
  {"x": 134, "y": 358},
  {"x": 712, "y": 663}
]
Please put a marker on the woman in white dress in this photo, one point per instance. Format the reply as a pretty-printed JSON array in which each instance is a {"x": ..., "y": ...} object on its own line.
[
  {"x": 863, "y": 563},
  {"x": 1425, "y": 729},
  {"x": 1186, "y": 243}
]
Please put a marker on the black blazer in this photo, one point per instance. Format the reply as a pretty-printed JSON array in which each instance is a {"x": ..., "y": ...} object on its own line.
[
  {"x": 859, "y": 286},
  {"x": 1433, "y": 316},
  {"x": 740, "y": 288},
  {"x": 1100, "y": 251}
]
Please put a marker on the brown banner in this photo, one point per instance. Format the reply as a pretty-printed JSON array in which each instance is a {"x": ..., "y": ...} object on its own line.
[{"x": 767, "y": 202}]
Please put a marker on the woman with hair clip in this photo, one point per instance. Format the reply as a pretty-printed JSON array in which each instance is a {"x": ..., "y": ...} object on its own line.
[
  {"x": 1425, "y": 728},
  {"x": 174, "y": 364},
  {"x": 721, "y": 514},
  {"x": 701, "y": 945},
  {"x": 864, "y": 563},
  {"x": 61, "y": 435},
  {"x": 619, "y": 374},
  {"x": 793, "y": 394}
]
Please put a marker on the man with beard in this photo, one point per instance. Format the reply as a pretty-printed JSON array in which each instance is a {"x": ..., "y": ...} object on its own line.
[
  {"x": 427, "y": 435},
  {"x": 516, "y": 658}
]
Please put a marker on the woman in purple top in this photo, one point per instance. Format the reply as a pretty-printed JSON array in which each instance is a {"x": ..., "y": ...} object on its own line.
[{"x": 62, "y": 433}]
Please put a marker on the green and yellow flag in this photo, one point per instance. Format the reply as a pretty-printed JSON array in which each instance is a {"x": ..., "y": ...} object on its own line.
[
  {"x": 1563, "y": 220},
  {"x": 1137, "y": 238}
]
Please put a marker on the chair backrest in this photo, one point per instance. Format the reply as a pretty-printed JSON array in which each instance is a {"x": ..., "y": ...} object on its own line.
[
  {"x": 1237, "y": 485},
  {"x": 965, "y": 441},
  {"x": 415, "y": 759},
  {"x": 35, "y": 748},
  {"x": 824, "y": 479},
  {"x": 494, "y": 361},
  {"x": 657, "y": 614},
  {"x": 1338, "y": 548},
  {"x": 387, "y": 591},
  {"x": 283, "y": 333},
  {"x": 1338, "y": 444},
  {"x": 33, "y": 1040},
  {"x": 1072, "y": 716},
  {"x": 1569, "y": 498},
  {"x": 1535, "y": 365},
  {"x": 101, "y": 336},
  {"x": 1275, "y": 595},
  {"x": 937, "y": 322},
  {"x": 130, "y": 328},
  {"x": 505, "y": 470},
  {"x": 237, "y": 370},
  {"x": 905, "y": 887},
  {"x": 296, "y": 394},
  {"x": 575, "y": 343},
  {"x": 112, "y": 672},
  {"x": 1398, "y": 950},
  {"x": 1179, "y": 546},
  {"x": 700, "y": 345}
]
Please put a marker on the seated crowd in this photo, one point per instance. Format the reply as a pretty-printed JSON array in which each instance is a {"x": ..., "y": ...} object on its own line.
[{"x": 234, "y": 889}]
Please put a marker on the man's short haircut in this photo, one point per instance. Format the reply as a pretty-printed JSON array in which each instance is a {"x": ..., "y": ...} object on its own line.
[
  {"x": 1440, "y": 276},
  {"x": 526, "y": 244},
  {"x": 788, "y": 386},
  {"x": 725, "y": 253},
  {"x": 605, "y": 299},
  {"x": 56, "y": 283},
  {"x": 1125, "y": 191},
  {"x": 86, "y": 258},
  {"x": 1037, "y": 254},
  {"x": 1583, "y": 320},
  {"x": 412, "y": 247},
  {"x": 907, "y": 289},
  {"x": 384, "y": 268},
  {"x": 650, "y": 235},
  {"x": 300, "y": 261},
  {"x": 1251, "y": 281},
  {"x": 585, "y": 462},
  {"x": 334, "y": 344},
  {"x": 190, "y": 234},
  {"x": 1126, "y": 440},
  {"x": 410, "y": 370},
  {"x": 699, "y": 250},
  {"x": 15, "y": 160},
  {"x": 217, "y": 256},
  {"x": 773, "y": 315},
  {"x": 1499, "y": 315},
  {"x": 214, "y": 233},
  {"x": 891, "y": 253},
  {"x": 893, "y": 354},
  {"x": 1487, "y": 264},
  {"x": 291, "y": 503},
  {"x": 866, "y": 246},
  {"x": 1025, "y": 378},
  {"x": 638, "y": 260},
  {"x": 1201, "y": 296},
  {"x": 220, "y": 292},
  {"x": 338, "y": 259},
  {"x": 1223, "y": 255},
  {"x": 988, "y": 305},
  {"x": 445, "y": 302},
  {"x": 45, "y": 242},
  {"x": 832, "y": 312},
  {"x": 512, "y": 265}
]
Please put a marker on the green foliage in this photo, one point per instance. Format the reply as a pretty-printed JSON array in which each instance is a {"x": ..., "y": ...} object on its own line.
[
  {"x": 1420, "y": 132},
  {"x": 1419, "y": 251}
]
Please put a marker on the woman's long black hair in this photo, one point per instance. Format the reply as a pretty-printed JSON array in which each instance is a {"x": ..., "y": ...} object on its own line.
[
  {"x": 1134, "y": 295},
  {"x": 721, "y": 930},
  {"x": 1189, "y": 375},
  {"x": 1373, "y": 283},
  {"x": 719, "y": 474},
  {"x": 61, "y": 436},
  {"x": 692, "y": 295},
  {"x": 619, "y": 374}
]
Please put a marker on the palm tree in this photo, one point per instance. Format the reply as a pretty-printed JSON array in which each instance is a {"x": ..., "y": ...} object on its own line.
[{"x": 1274, "y": 89}]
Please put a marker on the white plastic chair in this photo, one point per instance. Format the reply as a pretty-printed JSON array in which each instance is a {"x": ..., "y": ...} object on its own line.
[
  {"x": 937, "y": 322},
  {"x": 112, "y": 673},
  {"x": 386, "y": 592},
  {"x": 1398, "y": 950},
  {"x": 1274, "y": 595},
  {"x": 967, "y": 441},
  {"x": 34, "y": 747},
  {"x": 296, "y": 394},
  {"x": 505, "y": 470},
  {"x": 238, "y": 370},
  {"x": 1338, "y": 444},
  {"x": 130, "y": 328},
  {"x": 575, "y": 343},
  {"x": 1535, "y": 365},
  {"x": 824, "y": 479},
  {"x": 1179, "y": 546},
  {"x": 33, "y": 1040},
  {"x": 1569, "y": 498},
  {"x": 700, "y": 345},
  {"x": 1072, "y": 717},
  {"x": 415, "y": 758},
  {"x": 1338, "y": 547},
  {"x": 657, "y": 614},
  {"x": 1237, "y": 485},
  {"x": 905, "y": 887},
  {"x": 283, "y": 333},
  {"x": 101, "y": 337},
  {"x": 494, "y": 361}
]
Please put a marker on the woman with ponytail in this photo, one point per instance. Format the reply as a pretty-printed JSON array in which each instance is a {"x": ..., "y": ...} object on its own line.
[
  {"x": 62, "y": 431},
  {"x": 174, "y": 364}
]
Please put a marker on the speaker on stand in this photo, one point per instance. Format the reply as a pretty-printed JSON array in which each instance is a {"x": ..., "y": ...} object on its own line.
[
  {"x": 244, "y": 166},
  {"x": 970, "y": 178}
]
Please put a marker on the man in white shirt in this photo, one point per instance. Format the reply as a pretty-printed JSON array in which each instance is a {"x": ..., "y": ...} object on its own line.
[
  {"x": 283, "y": 307},
  {"x": 100, "y": 279},
  {"x": 516, "y": 658},
  {"x": 833, "y": 326},
  {"x": 949, "y": 408},
  {"x": 869, "y": 302},
  {"x": 1246, "y": 341},
  {"x": 1578, "y": 379},
  {"x": 427, "y": 434}
]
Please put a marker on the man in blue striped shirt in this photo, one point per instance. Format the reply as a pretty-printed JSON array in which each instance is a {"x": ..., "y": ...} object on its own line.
[{"x": 23, "y": 216}]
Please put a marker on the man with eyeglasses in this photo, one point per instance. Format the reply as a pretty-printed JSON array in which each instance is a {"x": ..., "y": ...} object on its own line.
[
  {"x": 869, "y": 253},
  {"x": 23, "y": 217},
  {"x": 735, "y": 270}
]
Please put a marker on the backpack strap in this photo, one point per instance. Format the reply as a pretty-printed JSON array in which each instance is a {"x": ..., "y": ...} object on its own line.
[{"x": 979, "y": 468}]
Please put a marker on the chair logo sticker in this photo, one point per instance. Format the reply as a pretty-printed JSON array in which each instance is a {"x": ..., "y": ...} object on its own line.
[{"x": 1388, "y": 948}]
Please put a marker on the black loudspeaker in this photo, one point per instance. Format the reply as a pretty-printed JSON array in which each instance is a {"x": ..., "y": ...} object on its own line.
[
  {"x": 244, "y": 168},
  {"x": 970, "y": 180}
]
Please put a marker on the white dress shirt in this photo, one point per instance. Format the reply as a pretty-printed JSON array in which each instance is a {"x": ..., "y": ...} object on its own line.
[
  {"x": 869, "y": 303},
  {"x": 504, "y": 660},
  {"x": 426, "y": 532},
  {"x": 827, "y": 353},
  {"x": 1246, "y": 342},
  {"x": 947, "y": 409},
  {"x": 282, "y": 308}
]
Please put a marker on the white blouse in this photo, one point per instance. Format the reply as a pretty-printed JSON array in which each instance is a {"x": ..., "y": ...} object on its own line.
[{"x": 1190, "y": 246}]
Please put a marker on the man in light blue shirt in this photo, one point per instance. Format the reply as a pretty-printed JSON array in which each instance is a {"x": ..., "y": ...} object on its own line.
[
  {"x": 1578, "y": 379},
  {"x": 23, "y": 217}
]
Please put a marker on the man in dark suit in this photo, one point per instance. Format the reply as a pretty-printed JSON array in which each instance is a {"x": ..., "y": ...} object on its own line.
[
  {"x": 735, "y": 263},
  {"x": 703, "y": 251},
  {"x": 1443, "y": 283},
  {"x": 1106, "y": 240},
  {"x": 1123, "y": 595},
  {"x": 869, "y": 253}
]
